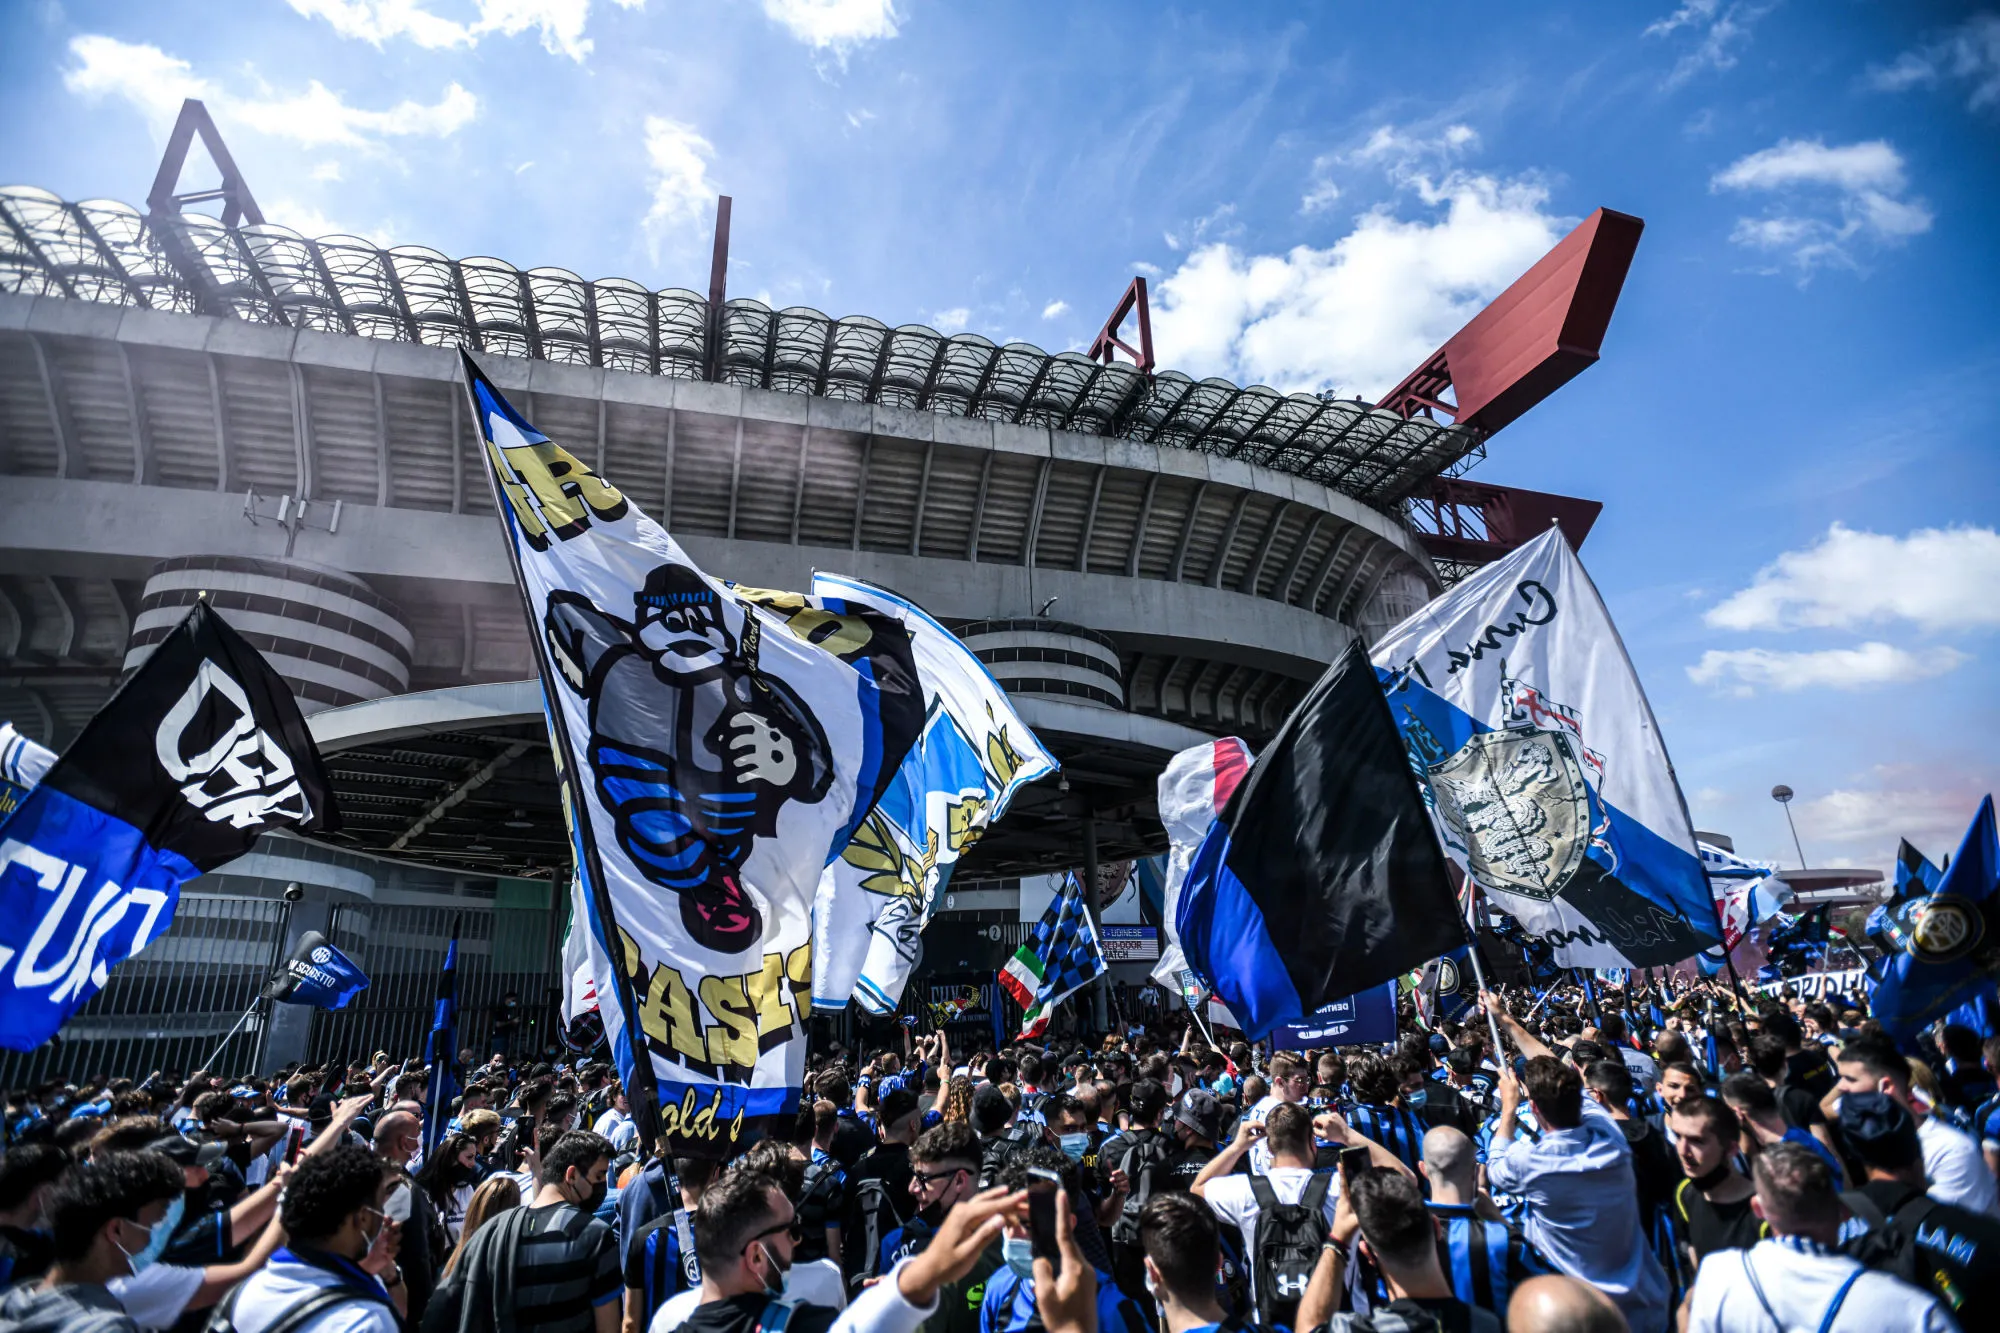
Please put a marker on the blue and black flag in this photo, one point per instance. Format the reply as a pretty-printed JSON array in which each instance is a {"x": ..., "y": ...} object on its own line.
[
  {"x": 1322, "y": 876},
  {"x": 316, "y": 974},
  {"x": 200, "y": 752},
  {"x": 1914, "y": 872},
  {"x": 443, "y": 1048},
  {"x": 1939, "y": 945}
]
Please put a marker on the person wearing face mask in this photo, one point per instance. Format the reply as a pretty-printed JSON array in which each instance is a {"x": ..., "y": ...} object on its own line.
[
  {"x": 107, "y": 1222},
  {"x": 744, "y": 1229},
  {"x": 1012, "y": 1303},
  {"x": 1182, "y": 1246},
  {"x": 944, "y": 1169},
  {"x": 29, "y": 1174},
  {"x": 337, "y": 1267},
  {"x": 399, "y": 1136},
  {"x": 550, "y": 1265}
]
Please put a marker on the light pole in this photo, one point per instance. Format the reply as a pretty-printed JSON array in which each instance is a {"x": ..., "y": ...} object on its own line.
[{"x": 1783, "y": 796}]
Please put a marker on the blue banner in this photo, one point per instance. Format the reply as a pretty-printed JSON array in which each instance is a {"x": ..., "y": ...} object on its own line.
[
  {"x": 199, "y": 753},
  {"x": 1367, "y": 1019},
  {"x": 317, "y": 974}
]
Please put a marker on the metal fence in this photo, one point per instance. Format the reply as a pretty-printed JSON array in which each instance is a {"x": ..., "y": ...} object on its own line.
[
  {"x": 402, "y": 949},
  {"x": 171, "y": 1006}
]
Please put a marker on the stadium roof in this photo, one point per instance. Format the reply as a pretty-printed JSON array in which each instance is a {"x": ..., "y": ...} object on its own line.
[{"x": 109, "y": 252}]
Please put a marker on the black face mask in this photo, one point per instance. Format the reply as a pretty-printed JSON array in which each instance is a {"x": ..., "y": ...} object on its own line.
[
  {"x": 933, "y": 1214},
  {"x": 595, "y": 1199}
]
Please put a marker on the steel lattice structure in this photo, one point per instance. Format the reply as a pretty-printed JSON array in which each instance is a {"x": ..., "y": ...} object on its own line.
[{"x": 108, "y": 252}]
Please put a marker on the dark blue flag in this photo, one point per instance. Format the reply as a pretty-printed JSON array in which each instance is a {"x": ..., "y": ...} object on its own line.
[
  {"x": 1914, "y": 872},
  {"x": 443, "y": 1047},
  {"x": 198, "y": 754},
  {"x": 1940, "y": 946},
  {"x": 1447, "y": 991},
  {"x": 316, "y": 974},
  {"x": 1322, "y": 877}
]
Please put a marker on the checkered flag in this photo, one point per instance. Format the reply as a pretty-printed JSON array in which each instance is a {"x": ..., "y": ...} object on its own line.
[{"x": 1061, "y": 955}]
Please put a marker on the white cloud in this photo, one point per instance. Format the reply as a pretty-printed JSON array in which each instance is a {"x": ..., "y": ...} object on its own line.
[
  {"x": 1969, "y": 53},
  {"x": 155, "y": 83},
  {"x": 836, "y": 25},
  {"x": 682, "y": 190},
  {"x": 1055, "y": 310},
  {"x": 379, "y": 21},
  {"x": 953, "y": 320},
  {"x": 1360, "y": 314},
  {"x": 145, "y": 76},
  {"x": 1873, "y": 165},
  {"x": 560, "y": 23},
  {"x": 1721, "y": 31},
  {"x": 318, "y": 116},
  {"x": 1321, "y": 191},
  {"x": 1861, "y": 824},
  {"x": 1826, "y": 199},
  {"x": 1744, "y": 671},
  {"x": 1935, "y": 578},
  {"x": 327, "y": 172}
]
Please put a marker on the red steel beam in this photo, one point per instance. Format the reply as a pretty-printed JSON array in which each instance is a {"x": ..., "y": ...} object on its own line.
[{"x": 1535, "y": 337}]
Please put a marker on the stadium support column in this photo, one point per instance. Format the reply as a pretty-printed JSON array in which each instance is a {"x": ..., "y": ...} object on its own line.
[{"x": 1099, "y": 1009}]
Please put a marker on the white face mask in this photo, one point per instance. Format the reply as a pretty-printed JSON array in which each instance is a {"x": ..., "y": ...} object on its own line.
[{"x": 784, "y": 1274}]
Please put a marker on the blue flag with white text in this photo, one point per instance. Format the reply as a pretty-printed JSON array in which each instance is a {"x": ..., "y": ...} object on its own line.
[
  {"x": 316, "y": 974},
  {"x": 197, "y": 755}
]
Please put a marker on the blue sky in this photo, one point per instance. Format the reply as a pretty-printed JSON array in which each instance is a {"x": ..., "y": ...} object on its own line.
[{"x": 1793, "y": 427}]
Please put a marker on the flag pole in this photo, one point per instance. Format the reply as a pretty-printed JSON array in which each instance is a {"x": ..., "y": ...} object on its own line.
[
  {"x": 1478, "y": 968},
  {"x": 210, "y": 1062}
]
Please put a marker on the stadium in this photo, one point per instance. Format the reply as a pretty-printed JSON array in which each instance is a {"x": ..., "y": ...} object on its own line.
[{"x": 201, "y": 406}]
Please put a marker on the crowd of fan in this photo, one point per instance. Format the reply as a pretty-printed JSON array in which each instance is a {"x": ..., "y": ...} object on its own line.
[{"x": 1624, "y": 1161}]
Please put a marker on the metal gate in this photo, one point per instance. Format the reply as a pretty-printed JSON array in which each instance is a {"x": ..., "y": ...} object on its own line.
[
  {"x": 170, "y": 1007},
  {"x": 506, "y": 947}
]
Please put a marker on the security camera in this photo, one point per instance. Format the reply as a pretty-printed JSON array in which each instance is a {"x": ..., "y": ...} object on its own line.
[{"x": 293, "y": 892}]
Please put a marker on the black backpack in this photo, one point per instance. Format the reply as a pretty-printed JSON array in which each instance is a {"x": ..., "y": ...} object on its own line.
[
  {"x": 1145, "y": 1150},
  {"x": 879, "y": 1214},
  {"x": 1289, "y": 1239},
  {"x": 1884, "y": 1248}
]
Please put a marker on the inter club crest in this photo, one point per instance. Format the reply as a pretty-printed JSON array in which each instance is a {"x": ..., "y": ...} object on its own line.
[{"x": 1517, "y": 802}]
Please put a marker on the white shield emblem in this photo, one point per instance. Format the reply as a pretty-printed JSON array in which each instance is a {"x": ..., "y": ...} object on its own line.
[{"x": 1517, "y": 802}]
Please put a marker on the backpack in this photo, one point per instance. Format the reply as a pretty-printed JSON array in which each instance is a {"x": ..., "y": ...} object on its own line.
[
  {"x": 296, "y": 1315},
  {"x": 1289, "y": 1239},
  {"x": 1145, "y": 1150},
  {"x": 1887, "y": 1249},
  {"x": 879, "y": 1215}
]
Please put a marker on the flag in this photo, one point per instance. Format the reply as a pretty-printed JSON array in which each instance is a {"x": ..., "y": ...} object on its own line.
[
  {"x": 1914, "y": 872},
  {"x": 316, "y": 974},
  {"x": 199, "y": 753},
  {"x": 1195, "y": 786},
  {"x": 1543, "y": 763},
  {"x": 1060, "y": 956},
  {"x": 442, "y": 1048},
  {"x": 23, "y": 763},
  {"x": 1940, "y": 946},
  {"x": 1322, "y": 877},
  {"x": 1746, "y": 904},
  {"x": 713, "y": 760},
  {"x": 1446, "y": 990},
  {"x": 973, "y": 754}
]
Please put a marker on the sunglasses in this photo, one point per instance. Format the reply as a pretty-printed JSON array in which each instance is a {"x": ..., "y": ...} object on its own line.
[
  {"x": 926, "y": 1177},
  {"x": 794, "y": 1228}
]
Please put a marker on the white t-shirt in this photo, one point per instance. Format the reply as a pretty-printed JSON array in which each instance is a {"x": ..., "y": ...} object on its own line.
[
  {"x": 274, "y": 1289},
  {"x": 618, "y": 1127},
  {"x": 1260, "y": 1151},
  {"x": 1645, "y": 1073},
  {"x": 1232, "y": 1200},
  {"x": 816, "y": 1283},
  {"x": 1795, "y": 1289},
  {"x": 157, "y": 1297},
  {"x": 1957, "y": 1169}
]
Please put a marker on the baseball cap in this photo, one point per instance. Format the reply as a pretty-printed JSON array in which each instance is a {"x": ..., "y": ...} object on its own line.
[
  {"x": 990, "y": 1109},
  {"x": 1880, "y": 1129},
  {"x": 1440, "y": 1044},
  {"x": 1200, "y": 1112},
  {"x": 185, "y": 1152}
]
